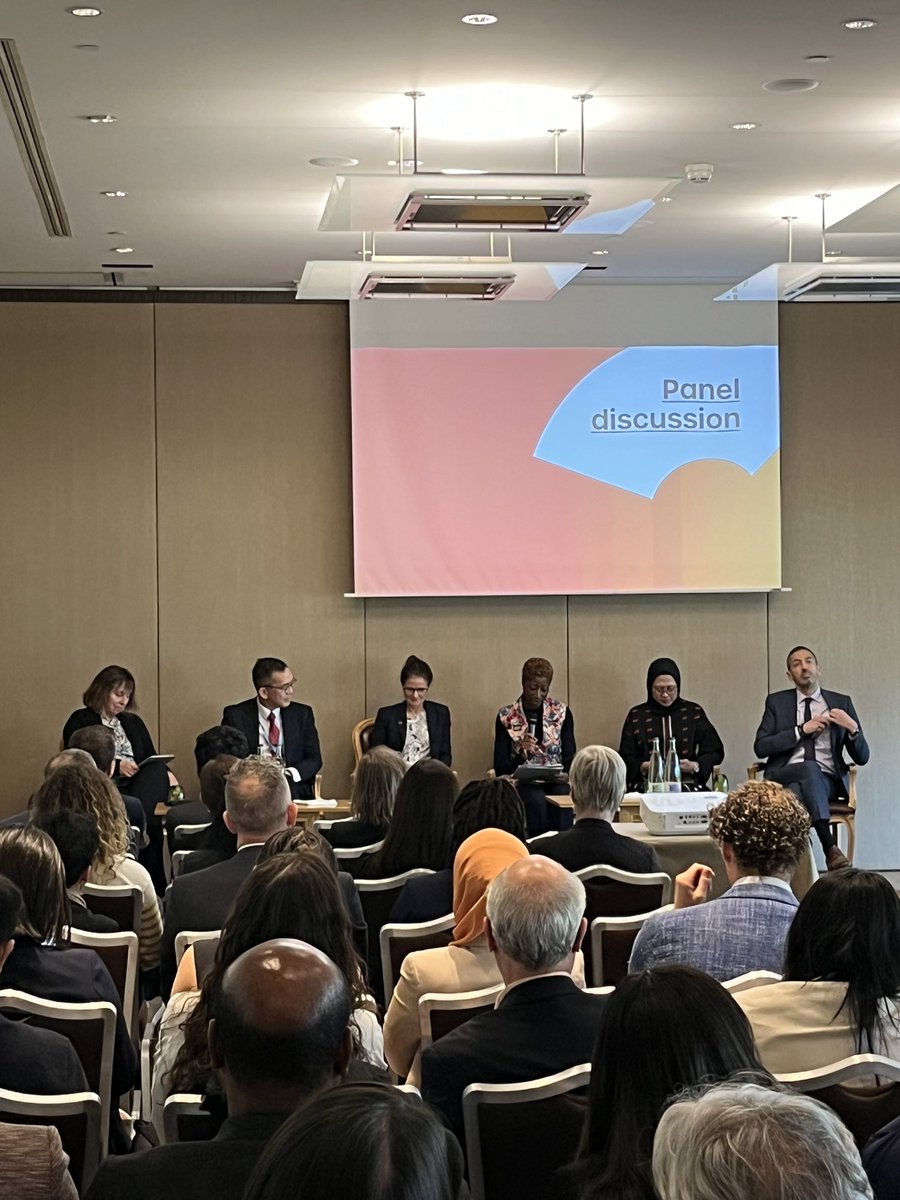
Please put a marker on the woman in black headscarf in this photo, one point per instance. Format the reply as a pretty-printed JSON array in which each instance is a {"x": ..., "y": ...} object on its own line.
[{"x": 665, "y": 716}]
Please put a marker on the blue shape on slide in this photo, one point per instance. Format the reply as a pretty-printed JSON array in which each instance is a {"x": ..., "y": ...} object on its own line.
[
  {"x": 661, "y": 386},
  {"x": 612, "y": 221}
]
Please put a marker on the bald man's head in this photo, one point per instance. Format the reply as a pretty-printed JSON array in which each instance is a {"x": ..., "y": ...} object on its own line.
[
  {"x": 535, "y": 908},
  {"x": 280, "y": 1020}
]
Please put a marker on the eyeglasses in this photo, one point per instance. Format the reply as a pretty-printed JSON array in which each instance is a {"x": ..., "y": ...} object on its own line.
[
  {"x": 664, "y": 691},
  {"x": 280, "y": 687},
  {"x": 408, "y": 691}
]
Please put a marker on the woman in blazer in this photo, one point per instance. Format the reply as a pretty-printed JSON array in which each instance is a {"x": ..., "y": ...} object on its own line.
[{"x": 416, "y": 727}]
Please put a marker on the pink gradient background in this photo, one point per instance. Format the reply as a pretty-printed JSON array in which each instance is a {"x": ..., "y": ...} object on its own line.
[{"x": 449, "y": 500}]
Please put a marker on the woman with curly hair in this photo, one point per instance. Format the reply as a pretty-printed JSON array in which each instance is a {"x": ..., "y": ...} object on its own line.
[{"x": 84, "y": 789}]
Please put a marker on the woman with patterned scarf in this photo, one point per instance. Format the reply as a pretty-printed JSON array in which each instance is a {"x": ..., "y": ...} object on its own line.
[{"x": 539, "y": 731}]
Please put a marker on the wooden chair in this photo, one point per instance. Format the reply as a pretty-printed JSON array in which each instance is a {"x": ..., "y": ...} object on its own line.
[
  {"x": 396, "y": 941},
  {"x": 752, "y": 979},
  {"x": 442, "y": 1012},
  {"x": 841, "y": 811},
  {"x": 119, "y": 901},
  {"x": 362, "y": 732},
  {"x": 611, "y": 892},
  {"x": 76, "y": 1116},
  {"x": 611, "y": 941},
  {"x": 119, "y": 952},
  {"x": 518, "y": 1135},
  {"x": 378, "y": 897},
  {"x": 91, "y": 1028},
  {"x": 863, "y": 1109}
]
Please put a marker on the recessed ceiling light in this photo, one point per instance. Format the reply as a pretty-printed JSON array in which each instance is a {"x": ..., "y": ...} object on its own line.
[
  {"x": 818, "y": 58},
  {"x": 461, "y": 171},
  {"x": 85, "y": 12},
  {"x": 479, "y": 19},
  {"x": 791, "y": 85},
  {"x": 333, "y": 160},
  {"x": 859, "y": 23},
  {"x": 102, "y": 119},
  {"x": 744, "y": 125},
  {"x": 599, "y": 252},
  {"x": 666, "y": 199},
  {"x": 114, "y": 195},
  {"x": 124, "y": 249},
  {"x": 833, "y": 253},
  {"x": 407, "y": 163}
]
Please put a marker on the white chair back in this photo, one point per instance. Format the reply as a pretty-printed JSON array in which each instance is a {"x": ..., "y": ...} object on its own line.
[
  {"x": 418, "y": 935},
  {"x": 110, "y": 947},
  {"x": 187, "y": 937},
  {"x": 632, "y": 878},
  {"x": 848, "y": 1070},
  {"x": 612, "y": 928},
  {"x": 122, "y": 902},
  {"x": 77, "y": 1117},
  {"x": 452, "y": 1002},
  {"x": 177, "y": 1105},
  {"x": 750, "y": 979},
  {"x": 348, "y": 853},
  {"x": 179, "y": 858}
]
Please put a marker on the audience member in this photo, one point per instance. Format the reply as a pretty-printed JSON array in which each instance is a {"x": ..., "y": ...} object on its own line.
[
  {"x": 741, "y": 1141},
  {"x": 216, "y": 842},
  {"x": 278, "y": 1035},
  {"x": 257, "y": 805},
  {"x": 372, "y": 794},
  {"x": 33, "y": 1164},
  {"x": 482, "y": 804},
  {"x": 841, "y": 989},
  {"x": 463, "y": 966},
  {"x": 597, "y": 786},
  {"x": 881, "y": 1159},
  {"x": 762, "y": 831},
  {"x": 419, "y": 832},
  {"x": 87, "y": 790},
  {"x": 31, "y": 1059},
  {"x": 364, "y": 1141},
  {"x": 659, "y": 1032},
  {"x": 543, "y": 1022},
  {"x": 100, "y": 743},
  {"x": 76, "y": 838},
  {"x": 220, "y": 739}
]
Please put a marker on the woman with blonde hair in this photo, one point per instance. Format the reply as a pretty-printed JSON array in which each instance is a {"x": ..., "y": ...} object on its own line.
[{"x": 372, "y": 795}]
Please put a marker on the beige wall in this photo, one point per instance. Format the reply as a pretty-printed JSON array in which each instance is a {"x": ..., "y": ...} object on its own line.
[{"x": 176, "y": 495}]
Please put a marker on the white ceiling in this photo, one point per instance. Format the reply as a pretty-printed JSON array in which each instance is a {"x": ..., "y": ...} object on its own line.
[{"x": 220, "y": 105}]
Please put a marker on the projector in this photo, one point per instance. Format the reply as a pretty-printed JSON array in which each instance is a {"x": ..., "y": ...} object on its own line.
[{"x": 678, "y": 812}]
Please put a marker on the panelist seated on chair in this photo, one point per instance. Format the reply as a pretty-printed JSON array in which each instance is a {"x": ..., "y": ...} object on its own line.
[
  {"x": 804, "y": 733},
  {"x": 543, "y": 1022},
  {"x": 667, "y": 715},
  {"x": 762, "y": 831},
  {"x": 278, "y": 727},
  {"x": 597, "y": 786},
  {"x": 372, "y": 795},
  {"x": 536, "y": 731},
  {"x": 416, "y": 727}
]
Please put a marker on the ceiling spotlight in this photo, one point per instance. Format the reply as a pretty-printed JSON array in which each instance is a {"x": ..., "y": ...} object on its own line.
[
  {"x": 833, "y": 253},
  {"x": 744, "y": 125},
  {"x": 114, "y": 195},
  {"x": 479, "y": 19},
  {"x": 599, "y": 252},
  {"x": 666, "y": 199},
  {"x": 791, "y": 85},
  {"x": 124, "y": 249},
  {"x": 407, "y": 163},
  {"x": 85, "y": 12},
  {"x": 333, "y": 160},
  {"x": 102, "y": 119},
  {"x": 699, "y": 172},
  {"x": 859, "y": 23}
]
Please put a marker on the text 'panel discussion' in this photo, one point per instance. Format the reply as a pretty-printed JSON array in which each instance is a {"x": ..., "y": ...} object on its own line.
[{"x": 449, "y": 530}]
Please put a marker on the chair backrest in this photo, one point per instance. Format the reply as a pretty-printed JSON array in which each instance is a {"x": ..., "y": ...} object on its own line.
[
  {"x": 348, "y": 853},
  {"x": 611, "y": 939},
  {"x": 518, "y": 1135},
  {"x": 179, "y": 857},
  {"x": 750, "y": 979},
  {"x": 540, "y": 837},
  {"x": 181, "y": 831},
  {"x": 185, "y": 1119},
  {"x": 119, "y": 901},
  {"x": 149, "y": 1042},
  {"x": 187, "y": 937},
  {"x": 442, "y": 1012},
  {"x": 361, "y": 737},
  {"x": 76, "y": 1116},
  {"x": 396, "y": 941},
  {"x": 865, "y": 1108},
  {"x": 378, "y": 897},
  {"x": 91, "y": 1028},
  {"x": 119, "y": 953},
  {"x": 610, "y": 892}
]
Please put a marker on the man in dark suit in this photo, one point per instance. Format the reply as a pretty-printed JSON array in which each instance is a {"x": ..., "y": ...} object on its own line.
[
  {"x": 278, "y": 728},
  {"x": 279, "y": 1035},
  {"x": 804, "y": 734},
  {"x": 543, "y": 1022},
  {"x": 257, "y": 805},
  {"x": 597, "y": 786}
]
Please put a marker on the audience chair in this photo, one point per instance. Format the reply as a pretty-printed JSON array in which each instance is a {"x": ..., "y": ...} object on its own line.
[
  {"x": 179, "y": 857},
  {"x": 121, "y": 902},
  {"x": 518, "y": 1135},
  {"x": 751, "y": 979},
  {"x": 378, "y": 897},
  {"x": 540, "y": 837},
  {"x": 91, "y": 1028},
  {"x": 187, "y": 937},
  {"x": 442, "y": 1012},
  {"x": 611, "y": 892},
  {"x": 119, "y": 952},
  {"x": 77, "y": 1118},
  {"x": 186, "y": 1120},
  {"x": 842, "y": 811},
  {"x": 361, "y": 737},
  {"x": 611, "y": 940},
  {"x": 148, "y": 1053},
  {"x": 864, "y": 1107},
  {"x": 180, "y": 830},
  {"x": 351, "y": 853},
  {"x": 396, "y": 941}
]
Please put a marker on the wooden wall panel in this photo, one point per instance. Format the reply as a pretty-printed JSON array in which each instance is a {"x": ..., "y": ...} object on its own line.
[
  {"x": 476, "y": 648},
  {"x": 78, "y": 525},
  {"x": 255, "y": 549}
]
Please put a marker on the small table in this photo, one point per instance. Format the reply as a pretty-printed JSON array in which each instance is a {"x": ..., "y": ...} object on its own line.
[{"x": 310, "y": 812}]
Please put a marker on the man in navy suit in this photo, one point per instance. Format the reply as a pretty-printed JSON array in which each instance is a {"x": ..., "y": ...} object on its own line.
[
  {"x": 276, "y": 727},
  {"x": 804, "y": 734}
]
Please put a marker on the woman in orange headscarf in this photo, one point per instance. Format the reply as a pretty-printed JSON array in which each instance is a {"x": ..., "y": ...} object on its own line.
[{"x": 466, "y": 964}]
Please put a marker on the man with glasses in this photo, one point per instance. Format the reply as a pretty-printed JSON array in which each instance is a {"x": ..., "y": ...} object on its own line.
[{"x": 276, "y": 726}]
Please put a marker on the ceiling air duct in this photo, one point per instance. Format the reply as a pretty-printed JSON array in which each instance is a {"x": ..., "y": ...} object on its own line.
[
  {"x": 435, "y": 287},
  {"x": 481, "y": 211}
]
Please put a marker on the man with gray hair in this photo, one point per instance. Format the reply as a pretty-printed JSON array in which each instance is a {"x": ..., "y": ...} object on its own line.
[
  {"x": 257, "y": 805},
  {"x": 542, "y": 1022},
  {"x": 597, "y": 785},
  {"x": 740, "y": 1141}
]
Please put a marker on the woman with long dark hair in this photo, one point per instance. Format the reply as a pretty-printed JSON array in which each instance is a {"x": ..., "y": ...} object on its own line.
[{"x": 419, "y": 832}]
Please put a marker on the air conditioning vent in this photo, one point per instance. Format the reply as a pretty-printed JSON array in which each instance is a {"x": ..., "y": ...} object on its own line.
[
  {"x": 435, "y": 287},
  {"x": 490, "y": 211},
  {"x": 845, "y": 287}
]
